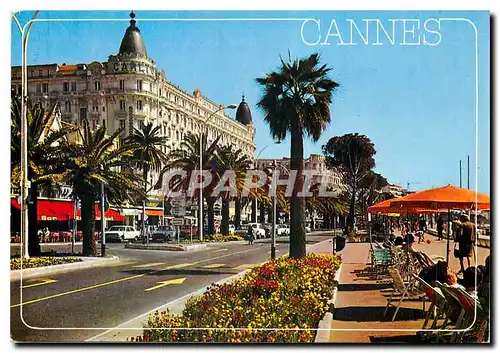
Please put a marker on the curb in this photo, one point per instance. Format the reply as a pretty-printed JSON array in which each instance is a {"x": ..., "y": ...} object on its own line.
[
  {"x": 133, "y": 327},
  {"x": 324, "y": 326},
  {"x": 55, "y": 269}
]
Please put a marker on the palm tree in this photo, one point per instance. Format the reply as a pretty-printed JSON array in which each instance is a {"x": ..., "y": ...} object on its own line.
[
  {"x": 97, "y": 159},
  {"x": 297, "y": 100},
  {"x": 44, "y": 153},
  {"x": 148, "y": 156},
  {"x": 187, "y": 158},
  {"x": 228, "y": 159}
]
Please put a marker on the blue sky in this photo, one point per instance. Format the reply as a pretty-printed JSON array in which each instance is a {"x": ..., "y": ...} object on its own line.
[{"x": 416, "y": 103}]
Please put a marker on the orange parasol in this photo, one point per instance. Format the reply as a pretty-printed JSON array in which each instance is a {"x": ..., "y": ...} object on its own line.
[
  {"x": 386, "y": 207},
  {"x": 446, "y": 197}
]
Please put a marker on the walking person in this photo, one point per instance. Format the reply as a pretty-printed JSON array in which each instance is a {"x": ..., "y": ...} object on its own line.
[
  {"x": 439, "y": 225},
  {"x": 251, "y": 236},
  {"x": 466, "y": 238}
]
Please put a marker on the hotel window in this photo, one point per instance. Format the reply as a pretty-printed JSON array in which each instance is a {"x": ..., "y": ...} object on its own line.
[
  {"x": 104, "y": 123},
  {"x": 38, "y": 88},
  {"x": 122, "y": 124},
  {"x": 139, "y": 85},
  {"x": 65, "y": 87},
  {"x": 139, "y": 105},
  {"x": 40, "y": 73},
  {"x": 73, "y": 86},
  {"x": 94, "y": 124},
  {"x": 122, "y": 85},
  {"x": 97, "y": 85},
  {"x": 159, "y": 90},
  {"x": 95, "y": 108},
  {"x": 67, "y": 106},
  {"x": 45, "y": 87},
  {"x": 103, "y": 109},
  {"x": 122, "y": 105}
]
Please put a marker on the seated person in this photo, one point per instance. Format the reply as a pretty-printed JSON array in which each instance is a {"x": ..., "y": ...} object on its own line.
[
  {"x": 410, "y": 240},
  {"x": 483, "y": 289},
  {"x": 438, "y": 272},
  {"x": 472, "y": 278},
  {"x": 398, "y": 242}
]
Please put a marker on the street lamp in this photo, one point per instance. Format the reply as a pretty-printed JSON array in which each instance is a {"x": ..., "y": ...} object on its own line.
[
  {"x": 24, "y": 135},
  {"x": 200, "y": 221}
]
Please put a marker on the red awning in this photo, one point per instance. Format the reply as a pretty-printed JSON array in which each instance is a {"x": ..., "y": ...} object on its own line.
[
  {"x": 154, "y": 212},
  {"x": 55, "y": 210}
]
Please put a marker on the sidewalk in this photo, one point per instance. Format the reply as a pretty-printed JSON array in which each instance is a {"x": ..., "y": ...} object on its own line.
[{"x": 361, "y": 301}]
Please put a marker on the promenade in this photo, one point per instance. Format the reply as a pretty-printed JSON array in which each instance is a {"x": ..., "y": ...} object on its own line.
[{"x": 358, "y": 314}]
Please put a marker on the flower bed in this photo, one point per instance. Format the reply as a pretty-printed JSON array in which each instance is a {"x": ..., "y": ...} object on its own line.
[
  {"x": 15, "y": 263},
  {"x": 285, "y": 294}
]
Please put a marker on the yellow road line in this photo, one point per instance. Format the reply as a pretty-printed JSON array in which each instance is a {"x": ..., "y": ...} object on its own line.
[
  {"x": 44, "y": 281},
  {"x": 166, "y": 283},
  {"x": 213, "y": 266},
  {"x": 179, "y": 266},
  {"x": 240, "y": 267},
  {"x": 78, "y": 290},
  {"x": 149, "y": 265},
  {"x": 130, "y": 278}
]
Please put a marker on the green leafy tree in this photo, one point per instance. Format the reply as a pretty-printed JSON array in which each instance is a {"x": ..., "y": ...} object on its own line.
[
  {"x": 352, "y": 156},
  {"x": 296, "y": 101},
  {"x": 94, "y": 159},
  {"x": 44, "y": 155}
]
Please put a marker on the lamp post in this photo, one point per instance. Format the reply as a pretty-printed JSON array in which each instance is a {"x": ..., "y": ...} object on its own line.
[
  {"x": 24, "y": 135},
  {"x": 103, "y": 223},
  {"x": 273, "y": 234},
  {"x": 200, "y": 221}
]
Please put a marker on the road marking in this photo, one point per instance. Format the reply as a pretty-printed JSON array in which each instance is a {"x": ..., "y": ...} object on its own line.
[
  {"x": 79, "y": 290},
  {"x": 44, "y": 281},
  {"x": 179, "y": 266},
  {"x": 126, "y": 279},
  {"x": 213, "y": 266},
  {"x": 276, "y": 251},
  {"x": 149, "y": 265},
  {"x": 240, "y": 267},
  {"x": 166, "y": 283},
  {"x": 220, "y": 250}
]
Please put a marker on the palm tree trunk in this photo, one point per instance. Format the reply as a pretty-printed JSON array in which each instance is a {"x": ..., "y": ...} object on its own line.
[
  {"x": 33, "y": 240},
  {"x": 145, "y": 176},
  {"x": 225, "y": 216},
  {"x": 237, "y": 212},
  {"x": 326, "y": 220},
  {"x": 88, "y": 223},
  {"x": 254, "y": 211},
  {"x": 297, "y": 230},
  {"x": 210, "y": 214},
  {"x": 262, "y": 217}
]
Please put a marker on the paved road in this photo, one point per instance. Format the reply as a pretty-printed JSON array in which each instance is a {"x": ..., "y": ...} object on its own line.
[{"x": 104, "y": 297}]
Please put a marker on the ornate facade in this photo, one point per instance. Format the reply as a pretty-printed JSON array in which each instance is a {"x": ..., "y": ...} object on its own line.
[{"x": 129, "y": 89}]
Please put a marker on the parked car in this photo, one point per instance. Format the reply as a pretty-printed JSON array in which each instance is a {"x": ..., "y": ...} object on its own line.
[
  {"x": 268, "y": 228},
  {"x": 282, "y": 230},
  {"x": 163, "y": 234},
  {"x": 122, "y": 233},
  {"x": 259, "y": 231}
]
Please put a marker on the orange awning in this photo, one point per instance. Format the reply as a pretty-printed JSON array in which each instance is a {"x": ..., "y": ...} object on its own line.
[
  {"x": 154, "y": 212},
  {"x": 444, "y": 198}
]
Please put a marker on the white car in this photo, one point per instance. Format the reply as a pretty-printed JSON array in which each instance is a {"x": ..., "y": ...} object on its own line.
[
  {"x": 122, "y": 233},
  {"x": 282, "y": 230},
  {"x": 258, "y": 230}
]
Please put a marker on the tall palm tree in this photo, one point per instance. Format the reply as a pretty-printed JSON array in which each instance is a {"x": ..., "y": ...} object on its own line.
[
  {"x": 97, "y": 159},
  {"x": 228, "y": 159},
  {"x": 149, "y": 155},
  {"x": 187, "y": 158},
  {"x": 44, "y": 153},
  {"x": 297, "y": 100}
]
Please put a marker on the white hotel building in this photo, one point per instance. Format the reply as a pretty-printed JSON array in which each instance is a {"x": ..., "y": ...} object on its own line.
[{"x": 129, "y": 89}]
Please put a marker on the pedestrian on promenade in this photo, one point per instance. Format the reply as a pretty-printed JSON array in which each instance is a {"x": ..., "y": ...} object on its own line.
[
  {"x": 439, "y": 225},
  {"x": 466, "y": 237},
  {"x": 250, "y": 235}
]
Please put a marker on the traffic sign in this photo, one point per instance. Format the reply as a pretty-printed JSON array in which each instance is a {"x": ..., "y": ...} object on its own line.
[
  {"x": 178, "y": 221},
  {"x": 178, "y": 211},
  {"x": 217, "y": 224},
  {"x": 178, "y": 202}
]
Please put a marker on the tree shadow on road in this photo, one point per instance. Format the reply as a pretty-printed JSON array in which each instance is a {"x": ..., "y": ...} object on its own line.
[{"x": 181, "y": 272}]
